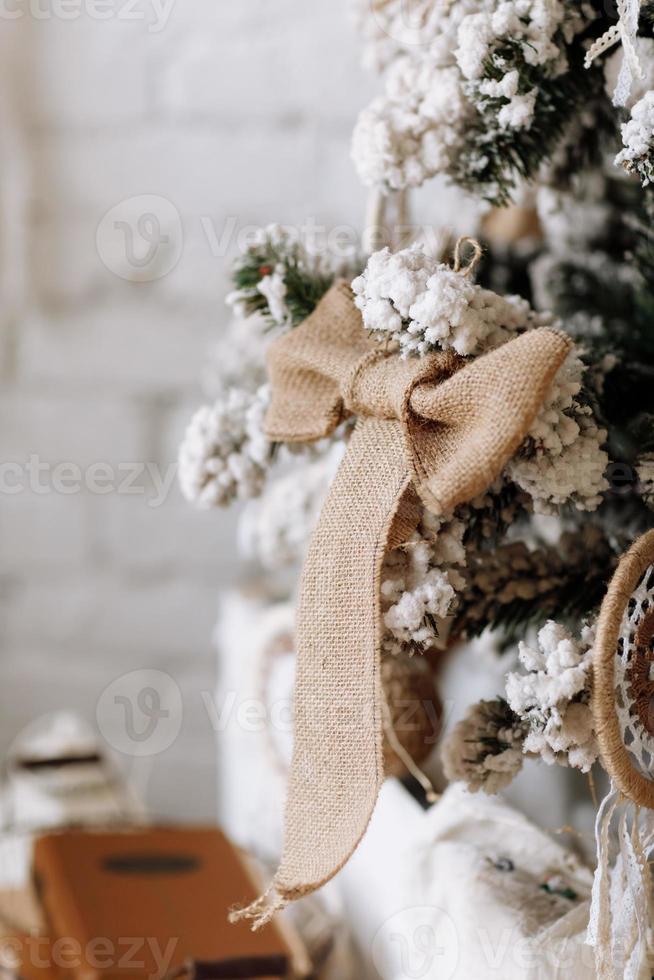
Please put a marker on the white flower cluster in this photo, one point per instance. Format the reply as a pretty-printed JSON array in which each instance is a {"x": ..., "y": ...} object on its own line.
[
  {"x": 275, "y": 529},
  {"x": 419, "y": 583},
  {"x": 412, "y": 298},
  {"x": 552, "y": 697},
  {"x": 638, "y": 140},
  {"x": 563, "y": 459},
  {"x": 440, "y": 81},
  {"x": 225, "y": 455}
]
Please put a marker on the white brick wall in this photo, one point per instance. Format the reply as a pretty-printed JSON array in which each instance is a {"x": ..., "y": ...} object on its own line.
[{"x": 230, "y": 110}]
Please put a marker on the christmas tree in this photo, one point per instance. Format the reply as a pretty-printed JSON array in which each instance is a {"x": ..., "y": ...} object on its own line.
[{"x": 543, "y": 111}]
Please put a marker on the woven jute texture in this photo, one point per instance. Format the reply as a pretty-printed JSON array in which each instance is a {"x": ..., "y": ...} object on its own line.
[
  {"x": 429, "y": 423},
  {"x": 615, "y": 756}
]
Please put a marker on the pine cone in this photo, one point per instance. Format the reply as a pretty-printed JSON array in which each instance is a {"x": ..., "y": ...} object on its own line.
[
  {"x": 484, "y": 750},
  {"x": 415, "y": 708},
  {"x": 514, "y": 584}
]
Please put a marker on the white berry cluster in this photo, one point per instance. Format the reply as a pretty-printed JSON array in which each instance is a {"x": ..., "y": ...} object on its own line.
[
  {"x": 419, "y": 583},
  {"x": 412, "y": 298},
  {"x": 531, "y": 24},
  {"x": 225, "y": 455},
  {"x": 414, "y": 130},
  {"x": 552, "y": 697},
  {"x": 563, "y": 459},
  {"x": 637, "y": 156},
  {"x": 452, "y": 68}
]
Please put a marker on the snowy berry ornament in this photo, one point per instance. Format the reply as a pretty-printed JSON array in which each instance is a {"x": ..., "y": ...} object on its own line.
[{"x": 623, "y": 675}]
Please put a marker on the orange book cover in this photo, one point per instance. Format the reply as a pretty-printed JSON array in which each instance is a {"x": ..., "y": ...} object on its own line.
[{"x": 142, "y": 902}]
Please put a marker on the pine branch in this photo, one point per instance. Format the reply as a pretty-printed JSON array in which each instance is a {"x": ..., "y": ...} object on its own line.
[
  {"x": 604, "y": 293},
  {"x": 487, "y": 522},
  {"x": 494, "y": 160},
  {"x": 304, "y": 286},
  {"x": 514, "y": 587}
]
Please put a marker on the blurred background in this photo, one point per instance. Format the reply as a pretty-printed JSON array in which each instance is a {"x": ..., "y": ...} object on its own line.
[{"x": 139, "y": 141}]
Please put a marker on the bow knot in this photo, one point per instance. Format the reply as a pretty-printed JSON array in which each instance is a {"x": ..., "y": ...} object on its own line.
[
  {"x": 328, "y": 368},
  {"x": 460, "y": 422}
]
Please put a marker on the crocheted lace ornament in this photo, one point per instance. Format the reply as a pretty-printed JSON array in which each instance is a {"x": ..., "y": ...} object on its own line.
[{"x": 623, "y": 674}]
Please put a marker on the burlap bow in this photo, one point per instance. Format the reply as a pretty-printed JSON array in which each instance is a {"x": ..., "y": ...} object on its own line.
[{"x": 436, "y": 424}]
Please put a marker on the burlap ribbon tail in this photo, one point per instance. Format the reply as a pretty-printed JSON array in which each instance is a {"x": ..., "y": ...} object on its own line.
[{"x": 434, "y": 425}]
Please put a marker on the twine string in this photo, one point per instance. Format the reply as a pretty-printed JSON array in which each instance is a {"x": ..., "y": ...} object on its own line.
[
  {"x": 473, "y": 262},
  {"x": 405, "y": 757}
]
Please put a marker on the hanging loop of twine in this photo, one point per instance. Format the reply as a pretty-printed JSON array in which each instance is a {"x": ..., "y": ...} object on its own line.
[
  {"x": 473, "y": 262},
  {"x": 405, "y": 757}
]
